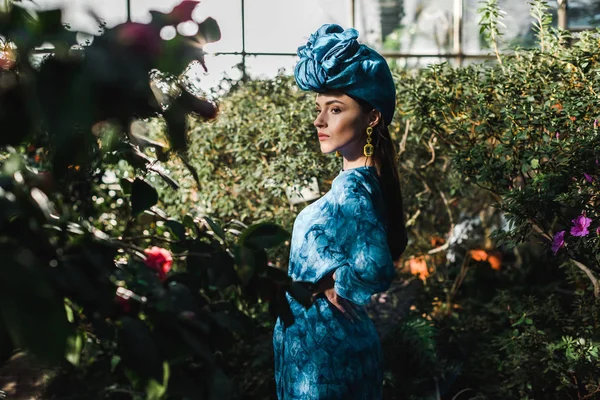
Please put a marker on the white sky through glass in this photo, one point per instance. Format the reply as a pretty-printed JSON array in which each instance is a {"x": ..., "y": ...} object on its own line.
[{"x": 276, "y": 26}]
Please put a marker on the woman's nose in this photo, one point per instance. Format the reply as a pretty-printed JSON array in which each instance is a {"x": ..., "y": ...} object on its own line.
[{"x": 319, "y": 122}]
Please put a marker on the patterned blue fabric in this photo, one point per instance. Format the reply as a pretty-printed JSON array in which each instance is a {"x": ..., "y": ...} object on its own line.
[
  {"x": 332, "y": 59},
  {"x": 323, "y": 355}
]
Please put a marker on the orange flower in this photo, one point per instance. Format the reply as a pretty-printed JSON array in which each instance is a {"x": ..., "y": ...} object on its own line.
[
  {"x": 479, "y": 255},
  {"x": 159, "y": 260},
  {"x": 418, "y": 266},
  {"x": 493, "y": 259},
  {"x": 495, "y": 262}
]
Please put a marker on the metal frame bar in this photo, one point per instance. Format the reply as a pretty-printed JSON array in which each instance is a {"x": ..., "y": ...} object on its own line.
[
  {"x": 386, "y": 54},
  {"x": 457, "y": 54}
]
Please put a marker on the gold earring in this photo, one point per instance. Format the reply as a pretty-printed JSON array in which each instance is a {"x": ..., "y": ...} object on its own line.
[
  {"x": 338, "y": 154},
  {"x": 369, "y": 149}
]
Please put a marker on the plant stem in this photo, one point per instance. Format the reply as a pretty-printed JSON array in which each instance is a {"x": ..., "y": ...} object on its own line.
[{"x": 590, "y": 275}]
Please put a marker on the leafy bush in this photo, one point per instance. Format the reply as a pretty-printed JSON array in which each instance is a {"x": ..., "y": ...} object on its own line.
[
  {"x": 524, "y": 129},
  {"x": 96, "y": 274}
]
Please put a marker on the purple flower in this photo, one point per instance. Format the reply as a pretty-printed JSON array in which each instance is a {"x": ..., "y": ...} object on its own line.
[
  {"x": 557, "y": 135},
  {"x": 558, "y": 241},
  {"x": 598, "y": 231},
  {"x": 588, "y": 177},
  {"x": 595, "y": 124},
  {"x": 580, "y": 226}
]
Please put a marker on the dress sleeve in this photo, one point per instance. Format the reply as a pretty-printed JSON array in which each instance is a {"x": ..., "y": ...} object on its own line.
[{"x": 368, "y": 268}]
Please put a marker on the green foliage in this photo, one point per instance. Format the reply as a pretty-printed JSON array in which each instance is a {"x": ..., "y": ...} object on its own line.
[
  {"x": 525, "y": 131},
  {"x": 262, "y": 142},
  {"x": 86, "y": 285},
  {"x": 491, "y": 22},
  {"x": 83, "y": 193}
]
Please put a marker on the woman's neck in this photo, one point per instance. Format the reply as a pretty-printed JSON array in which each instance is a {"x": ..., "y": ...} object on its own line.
[{"x": 358, "y": 162}]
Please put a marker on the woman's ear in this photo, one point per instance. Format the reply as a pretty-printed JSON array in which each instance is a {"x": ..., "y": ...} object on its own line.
[{"x": 374, "y": 118}]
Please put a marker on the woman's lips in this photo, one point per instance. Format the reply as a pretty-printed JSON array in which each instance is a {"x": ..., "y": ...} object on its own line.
[{"x": 322, "y": 137}]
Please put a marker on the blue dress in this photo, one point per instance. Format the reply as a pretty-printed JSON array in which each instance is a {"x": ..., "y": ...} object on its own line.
[{"x": 323, "y": 355}]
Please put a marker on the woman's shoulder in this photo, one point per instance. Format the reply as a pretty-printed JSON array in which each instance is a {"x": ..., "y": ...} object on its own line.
[{"x": 356, "y": 181}]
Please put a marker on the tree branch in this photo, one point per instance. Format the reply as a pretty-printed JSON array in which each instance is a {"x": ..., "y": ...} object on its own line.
[
  {"x": 590, "y": 275},
  {"x": 404, "y": 137}
]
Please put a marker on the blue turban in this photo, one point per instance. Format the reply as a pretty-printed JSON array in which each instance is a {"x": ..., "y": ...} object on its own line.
[{"x": 334, "y": 60}]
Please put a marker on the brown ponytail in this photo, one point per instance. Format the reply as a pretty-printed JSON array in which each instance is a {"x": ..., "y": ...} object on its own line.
[{"x": 389, "y": 179}]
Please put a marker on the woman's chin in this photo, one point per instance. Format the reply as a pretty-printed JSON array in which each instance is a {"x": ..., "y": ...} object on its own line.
[{"x": 327, "y": 149}]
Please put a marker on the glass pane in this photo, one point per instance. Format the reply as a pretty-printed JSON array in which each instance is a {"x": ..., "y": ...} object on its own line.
[
  {"x": 219, "y": 68},
  {"x": 269, "y": 66},
  {"x": 425, "y": 26},
  {"x": 280, "y": 26},
  {"x": 76, "y": 13},
  {"x": 583, "y": 14},
  {"x": 227, "y": 13},
  {"x": 419, "y": 62},
  {"x": 140, "y": 9},
  {"x": 518, "y": 21}
]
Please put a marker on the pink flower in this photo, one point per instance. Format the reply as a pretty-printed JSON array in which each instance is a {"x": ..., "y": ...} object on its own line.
[
  {"x": 598, "y": 231},
  {"x": 159, "y": 260},
  {"x": 580, "y": 226},
  {"x": 588, "y": 177},
  {"x": 557, "y": 135},
  {"x": 595, "y": 124},
  {"x": 558, "y": 241}
]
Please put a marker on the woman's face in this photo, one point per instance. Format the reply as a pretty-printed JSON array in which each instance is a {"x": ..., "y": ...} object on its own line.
[{"x": 340, "y": 123}]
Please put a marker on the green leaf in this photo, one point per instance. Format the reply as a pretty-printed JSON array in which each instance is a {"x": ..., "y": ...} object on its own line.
[
  {"x": 221, "y": 387},
  {"x": 216, "y": 229},
  {"x": 6, "y": 346},
  {"x": 29, "y": 307},
  {"x": 535, "y": 163},
  {"x": 176, "y": 228},
  {"x": 143, "y": 196},
  {"x": 126, "y": 185},
  {"x": 74, "y": 347},
  {"x": 170, "y": 181},
  {"x": 277, "y": 275},
  {"x": 263, "y": 236},
  {"x": 156, "y": 390},
  {"x": 246, "y": 264},
  {"x": 282, "y": 308},
  {"x": 49, "y": 22},
  {"x": 208, "y": 31},
  {"x": 182, "y": 298},
  {"x": 301, "y": 292},
  {"x": 137, "y": 349},
  {"x": 188, "y": 221},
  {"x": 176, "y": 120},
  {"x": 198, "y": 344}
]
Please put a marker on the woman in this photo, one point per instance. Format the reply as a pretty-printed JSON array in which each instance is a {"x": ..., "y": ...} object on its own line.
[{"x": 344, "y": 242}]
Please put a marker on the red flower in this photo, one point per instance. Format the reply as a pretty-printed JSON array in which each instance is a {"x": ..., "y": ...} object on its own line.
[
  {"x": 141, "y": 38},
  {"x": 160, "y": 260}
]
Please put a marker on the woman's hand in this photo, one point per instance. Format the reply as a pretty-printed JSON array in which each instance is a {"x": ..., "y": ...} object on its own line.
[{"x": 326, "y": 286}]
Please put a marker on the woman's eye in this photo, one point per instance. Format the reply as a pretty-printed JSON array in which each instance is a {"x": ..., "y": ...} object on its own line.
[
  {"x": 336, "y": 110},
  {"x": 317, "y": 112}
]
